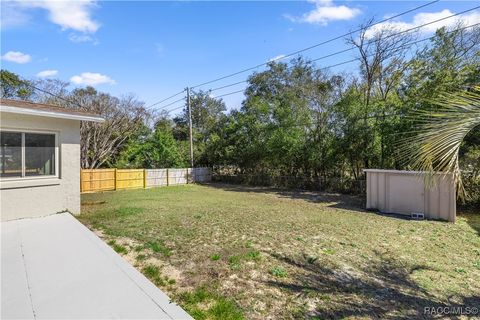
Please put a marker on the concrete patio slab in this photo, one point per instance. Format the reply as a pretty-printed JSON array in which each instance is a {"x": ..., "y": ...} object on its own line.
[{"x": 55, "y": 268}]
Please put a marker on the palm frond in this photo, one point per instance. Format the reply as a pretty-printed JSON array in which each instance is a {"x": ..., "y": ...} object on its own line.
[{"x": 435, "y": 143}]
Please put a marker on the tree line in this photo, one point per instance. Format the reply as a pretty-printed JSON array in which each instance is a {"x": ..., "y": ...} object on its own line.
[{"x": 297, "y": 119}]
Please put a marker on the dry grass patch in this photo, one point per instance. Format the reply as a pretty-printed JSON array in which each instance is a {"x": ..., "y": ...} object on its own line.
[{"x": 230, "y": 252}]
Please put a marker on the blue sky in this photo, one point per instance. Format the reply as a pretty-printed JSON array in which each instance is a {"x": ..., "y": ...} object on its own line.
[{"x": 154, "y": 49}]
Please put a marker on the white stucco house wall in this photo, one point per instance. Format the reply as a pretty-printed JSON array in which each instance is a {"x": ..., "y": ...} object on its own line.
[{"x": 39, "y": 159}]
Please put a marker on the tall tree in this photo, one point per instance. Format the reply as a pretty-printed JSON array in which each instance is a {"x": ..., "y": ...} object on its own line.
[
  {"x": 381, "y": 54},
  {"x": 13, "y": 87},
  {"x": 101, "y": 143}
]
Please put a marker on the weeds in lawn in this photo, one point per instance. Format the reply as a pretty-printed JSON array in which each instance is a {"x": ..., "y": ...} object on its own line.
[
  {"x": 204, "y": 304},
  {"x": 254, "y": 256},
  {"x": 140, "y": 257},
  {"x": 117, "y": 247},
  {"x": 311, "y": 259},
  {"x": 300, "y": 239},
  {"x": 153, "y": 273},
  {"x": 460, "y": 270},
  {"x": 279, "y": 272},
  {"x": 234, "y": 262},
  {"x": 159, "y": 247},
  {"x": 328, "y": 251},
  {"x": 215, "y": 257}
]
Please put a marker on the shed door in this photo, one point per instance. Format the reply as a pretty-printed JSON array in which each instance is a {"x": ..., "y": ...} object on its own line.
[{"x": 406, "y": 194}]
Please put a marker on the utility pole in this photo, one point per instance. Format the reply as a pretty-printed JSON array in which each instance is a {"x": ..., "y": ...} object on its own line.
[{"x": 190, "y": 126}]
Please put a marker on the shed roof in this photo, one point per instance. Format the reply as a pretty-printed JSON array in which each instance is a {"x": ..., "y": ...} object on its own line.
[{"x": 46, "y": 110}]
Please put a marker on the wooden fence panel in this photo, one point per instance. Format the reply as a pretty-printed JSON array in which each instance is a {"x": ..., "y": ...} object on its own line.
[
  {"x": 156, "y": 177},
  {"x": 130, "y": 178},
  {"x": 94, "y": 180}
]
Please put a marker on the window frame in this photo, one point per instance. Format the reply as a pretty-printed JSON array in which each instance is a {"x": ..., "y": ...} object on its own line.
[{"x": 57, "y": 153}]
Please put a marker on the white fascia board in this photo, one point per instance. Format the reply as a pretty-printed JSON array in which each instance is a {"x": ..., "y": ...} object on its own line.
[{"x": 51, "y": 114}]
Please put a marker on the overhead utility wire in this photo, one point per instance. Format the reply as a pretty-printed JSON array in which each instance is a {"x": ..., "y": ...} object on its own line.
[
  {"x": 181, "y": 99},
  {"x": 50, "y": 93},
  {"x": 315, "y": 45},
  {"x": 373, "y": 41},
  {"x": 163, "y": 100},
  {"x": 340, "y": 63},
  {"x": 347, "y": 61}
]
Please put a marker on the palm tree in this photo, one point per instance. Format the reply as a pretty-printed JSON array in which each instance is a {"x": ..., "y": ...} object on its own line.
[{"x": 434, "y": 146}]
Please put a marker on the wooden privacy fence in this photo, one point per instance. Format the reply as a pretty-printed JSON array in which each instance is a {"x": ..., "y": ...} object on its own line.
[
  {"x": 130, "y": 178},
  {"x": 96, "y": 180}
]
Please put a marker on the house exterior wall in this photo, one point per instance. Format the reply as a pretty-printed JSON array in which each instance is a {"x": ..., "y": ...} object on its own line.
[
  {"x": 407, "y": 192},
  {"x": 40, "y": 196}
]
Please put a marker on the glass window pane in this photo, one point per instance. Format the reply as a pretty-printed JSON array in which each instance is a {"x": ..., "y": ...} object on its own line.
[
  {"x": 10, "y": 154},
  {"x": 39, "y": 154}
]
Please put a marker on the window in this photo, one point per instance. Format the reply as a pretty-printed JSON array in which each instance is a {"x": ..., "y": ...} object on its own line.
[
  {"x": 11, "y": 154},
  {"x": 27, "y": 154},
  {"x": 39, "y": 154}
]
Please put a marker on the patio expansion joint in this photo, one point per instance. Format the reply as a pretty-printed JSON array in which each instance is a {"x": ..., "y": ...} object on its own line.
[{"x": 26, "y": 272}]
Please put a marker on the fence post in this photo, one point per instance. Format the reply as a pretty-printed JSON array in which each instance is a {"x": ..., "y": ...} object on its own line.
[
  {"x": 115, "y": 179},
  {"x": 144, "y": 178},
  {"x": 167, "y": 178},
  {"x": 91, "y": 180},
  {"x": 81, "y": 181}
]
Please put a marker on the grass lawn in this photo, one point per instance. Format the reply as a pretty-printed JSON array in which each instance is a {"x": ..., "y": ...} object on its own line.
[{"x": 232, "y": 252}]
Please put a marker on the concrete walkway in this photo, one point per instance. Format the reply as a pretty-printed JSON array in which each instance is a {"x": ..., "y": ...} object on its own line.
[{"x": 55, "y": 268}]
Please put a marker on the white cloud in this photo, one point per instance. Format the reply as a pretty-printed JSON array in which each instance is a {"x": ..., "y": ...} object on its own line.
[
  {"x": 75, "y": 15},
  {"x": 69, "y": 15},
  {"x": 279, "y": 57},
  {"x": 82, "y": 38},
  {"x": 47, "y": 73},
  {"x": 11, "y": 15},
  {"x": 426, "y": 17},
  {"x": 325, "y": 11},
  {"x": 17, "y": 57},
  {"x": 91, "y": 79}
]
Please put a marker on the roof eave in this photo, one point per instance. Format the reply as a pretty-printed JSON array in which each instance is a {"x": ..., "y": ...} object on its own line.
[{"x": 51, "y": 114}]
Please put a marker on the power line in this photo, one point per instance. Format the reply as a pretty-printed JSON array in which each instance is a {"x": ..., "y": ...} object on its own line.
[
  {"x": 167, "y": 105},
  {"x": 229, "y": 85},
  {"x": 315, "y": 45},
  {"x": 168, "y": 98},
  {"x": 28, "y": 83},
  {"x": 180, "y": 107},
  {"x": 369, "y": 42},
  {"x": 350, "y": 61},
  {"x": 227, "y": 94}
]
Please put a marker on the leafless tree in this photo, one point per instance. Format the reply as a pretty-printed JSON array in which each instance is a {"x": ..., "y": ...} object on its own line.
[
  {"x": 381, "y": 52},
  {"x": 102, "y": 142}
]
